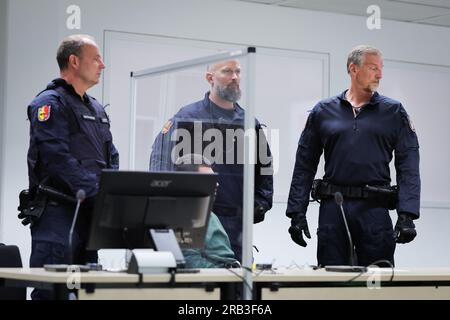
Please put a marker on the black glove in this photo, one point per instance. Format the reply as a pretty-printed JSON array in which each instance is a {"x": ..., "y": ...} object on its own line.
[
  {"x": 30, "y": 207},
  {"x": 299, "y": 225},
  {"x": 259, "y": 214},
  {"x": 405, "y": 230}
]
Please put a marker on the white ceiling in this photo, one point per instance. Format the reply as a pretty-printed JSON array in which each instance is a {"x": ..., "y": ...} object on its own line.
[{"x": 433, "y": 12}]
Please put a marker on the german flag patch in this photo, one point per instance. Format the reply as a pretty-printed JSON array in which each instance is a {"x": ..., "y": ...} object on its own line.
[{"x": 44, "y": 113}]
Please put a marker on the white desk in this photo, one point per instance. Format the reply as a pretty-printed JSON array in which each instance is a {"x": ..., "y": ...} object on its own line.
[
  {"x": 299, "y": 284},
  {"x": 207, "y": 284},
  {"x": 285, "y": 284}
]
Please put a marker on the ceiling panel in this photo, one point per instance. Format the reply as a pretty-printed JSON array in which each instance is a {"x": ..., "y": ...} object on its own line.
[
  {"x": 443, "y": 21},
  {"x": 262, "y": 1},
  {"x": 436, "y": 3},
  {"x": 392, "y": 10},
  {"x": 435, "y": 12}
]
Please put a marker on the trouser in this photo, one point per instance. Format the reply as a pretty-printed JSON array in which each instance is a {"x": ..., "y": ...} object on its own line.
[
  {"x": 50, "y": 242},
  {"x": 370, "y": 228}
]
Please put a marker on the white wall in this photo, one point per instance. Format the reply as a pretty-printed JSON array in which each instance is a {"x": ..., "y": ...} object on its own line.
[
  {"x": 36, "y": 27},
  {"x": 3, "y": 50}
]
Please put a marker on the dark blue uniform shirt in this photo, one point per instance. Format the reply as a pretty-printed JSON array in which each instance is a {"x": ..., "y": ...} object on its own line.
[
  {"x": 358, "y": 150},
  {"x": 70, "y": 140}
]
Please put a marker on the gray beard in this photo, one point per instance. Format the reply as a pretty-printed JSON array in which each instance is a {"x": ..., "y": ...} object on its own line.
[
  {"x": 373, "y": 87},
  {"x": 229, "y": 94}
]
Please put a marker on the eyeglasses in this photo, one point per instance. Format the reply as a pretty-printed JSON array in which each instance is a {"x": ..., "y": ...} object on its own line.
[{"x": 230, "y": 72}]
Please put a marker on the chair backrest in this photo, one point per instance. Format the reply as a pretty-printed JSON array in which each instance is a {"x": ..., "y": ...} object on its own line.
[{"x": 10, "y": 258}]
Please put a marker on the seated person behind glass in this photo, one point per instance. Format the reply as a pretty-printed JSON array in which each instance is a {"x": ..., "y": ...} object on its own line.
[{"x": 217, "y": 252}]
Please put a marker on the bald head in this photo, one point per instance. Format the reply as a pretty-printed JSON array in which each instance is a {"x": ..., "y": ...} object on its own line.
[{"x": 216, "y": 66}]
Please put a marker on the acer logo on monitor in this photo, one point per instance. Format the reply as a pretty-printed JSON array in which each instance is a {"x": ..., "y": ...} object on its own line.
[{"x": 160, "y": 183}]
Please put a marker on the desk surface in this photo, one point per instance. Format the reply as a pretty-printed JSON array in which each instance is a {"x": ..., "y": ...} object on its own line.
[
  {"x": 39, "y": 274},
  {"x": 224, "y": 275},
  {"x": 282, "y": 283}
]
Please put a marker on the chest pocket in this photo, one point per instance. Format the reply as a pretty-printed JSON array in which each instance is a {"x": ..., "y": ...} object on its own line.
[
  {"x": 91, "y": 136},
  {"x": 90, "y": 126},
  {"x": 104, "y": 128}
]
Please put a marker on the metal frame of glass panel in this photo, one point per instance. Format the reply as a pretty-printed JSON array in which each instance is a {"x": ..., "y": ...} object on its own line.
[{"x": 249, "y": 142}]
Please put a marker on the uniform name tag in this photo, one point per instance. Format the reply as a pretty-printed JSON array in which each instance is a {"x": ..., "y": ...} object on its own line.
[{"x": 87, "y": 117}]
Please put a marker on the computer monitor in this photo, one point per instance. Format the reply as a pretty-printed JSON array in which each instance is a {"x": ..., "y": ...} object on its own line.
[{"x": 129, "y": 204}]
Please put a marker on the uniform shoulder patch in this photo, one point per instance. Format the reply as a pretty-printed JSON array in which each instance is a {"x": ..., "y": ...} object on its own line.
[
  {"x": 44, "y": 113},
  {"x": 166, "y": 127}
]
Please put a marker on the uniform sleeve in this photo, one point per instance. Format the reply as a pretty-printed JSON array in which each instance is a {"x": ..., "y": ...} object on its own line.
[
  {"x": 307, "y": 159},
  {"x": 50, "y": 132},
  {"x": 407, "y": 166},
  {"x": 160, "y": 158},
  {"x": 263, "y": 172}
]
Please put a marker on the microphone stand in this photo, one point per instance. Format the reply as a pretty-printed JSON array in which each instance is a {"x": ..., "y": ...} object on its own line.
[
  {"x": 352, "y": 267},
  {"x": 339, "y": 200},
  {"x": 81, "y": 195}
]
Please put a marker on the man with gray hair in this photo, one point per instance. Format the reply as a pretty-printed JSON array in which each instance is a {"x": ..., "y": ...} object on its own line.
[
  {"x": 220, "y": 112},
  {"x": 358, "y": 131}
]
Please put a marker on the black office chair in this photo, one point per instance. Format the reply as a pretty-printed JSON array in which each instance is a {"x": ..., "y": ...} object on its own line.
[{"x": 10, "y": 258}]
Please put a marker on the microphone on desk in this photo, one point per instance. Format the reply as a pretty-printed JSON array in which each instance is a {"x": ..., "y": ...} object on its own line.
[
  {"x": 352, "y": 267},
  {"x": 81, "y": 195},
  {"x": 339, "y": 201}
]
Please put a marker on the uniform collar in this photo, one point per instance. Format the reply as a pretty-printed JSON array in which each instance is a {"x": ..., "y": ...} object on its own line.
[
  {"x": 372, "y": 102},
  {"x": 59, "y": 82}
]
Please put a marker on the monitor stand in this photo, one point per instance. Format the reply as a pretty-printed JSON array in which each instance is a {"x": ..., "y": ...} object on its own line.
[{"x": 165, "y": 240}]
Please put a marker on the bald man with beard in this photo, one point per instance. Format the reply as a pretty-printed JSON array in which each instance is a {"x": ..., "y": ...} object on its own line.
[{"x": 219, "y": 110}]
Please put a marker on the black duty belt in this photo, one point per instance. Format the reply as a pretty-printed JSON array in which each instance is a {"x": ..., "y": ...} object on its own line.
[{"x": 387, "y": 195}]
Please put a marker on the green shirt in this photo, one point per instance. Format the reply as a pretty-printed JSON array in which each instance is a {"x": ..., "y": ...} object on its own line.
[{"x": 217, "y": 252}]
